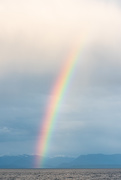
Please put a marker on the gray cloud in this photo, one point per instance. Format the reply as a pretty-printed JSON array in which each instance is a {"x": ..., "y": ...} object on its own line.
[{"x": 35, "y": 40}]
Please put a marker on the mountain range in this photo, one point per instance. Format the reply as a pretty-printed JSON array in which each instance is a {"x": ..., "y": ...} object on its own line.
[{"x": 83, "y": 161}]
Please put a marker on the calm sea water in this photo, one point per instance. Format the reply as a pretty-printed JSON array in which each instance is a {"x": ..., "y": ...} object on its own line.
[{"x": 60, "y": 174}]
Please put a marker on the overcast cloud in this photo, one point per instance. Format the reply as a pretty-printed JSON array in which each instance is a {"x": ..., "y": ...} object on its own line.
[{"x": 35, "y": 39}]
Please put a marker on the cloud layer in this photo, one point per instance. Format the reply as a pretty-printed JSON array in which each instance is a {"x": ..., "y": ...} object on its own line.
[{"x": 35, "y": 39}]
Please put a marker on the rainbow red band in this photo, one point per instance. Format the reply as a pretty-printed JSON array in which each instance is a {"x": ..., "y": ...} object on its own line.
[{"x": 53, "y": 106}]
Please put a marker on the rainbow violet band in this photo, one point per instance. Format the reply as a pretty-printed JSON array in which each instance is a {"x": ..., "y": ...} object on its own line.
[{"x": 57, "y": 96}]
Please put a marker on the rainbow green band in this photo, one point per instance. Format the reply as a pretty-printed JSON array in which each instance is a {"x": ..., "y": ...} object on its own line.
[{"x": 57, "y": 96}]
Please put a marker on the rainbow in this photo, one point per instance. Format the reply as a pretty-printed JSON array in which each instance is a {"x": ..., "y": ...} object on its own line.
[{"x": 57, "y": 95}]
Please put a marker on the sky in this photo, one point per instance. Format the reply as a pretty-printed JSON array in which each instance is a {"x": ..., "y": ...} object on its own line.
[{"x": 35, "y": 39}]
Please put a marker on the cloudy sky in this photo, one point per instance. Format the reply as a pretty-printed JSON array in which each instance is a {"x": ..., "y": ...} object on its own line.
[{"x": 35, "y": 39}]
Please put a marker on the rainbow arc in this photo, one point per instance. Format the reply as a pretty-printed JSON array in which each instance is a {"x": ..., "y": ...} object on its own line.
[{"x": 57, "y": 96}]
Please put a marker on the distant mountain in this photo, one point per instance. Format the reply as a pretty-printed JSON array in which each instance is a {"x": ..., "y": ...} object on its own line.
[
  {"x": 95, "y": 161},
  {"x": 55, "y": 162},
  {"x": 20, "y": 161},
  {"x": 27, "y": 161},
  {"x": 83, "y": 161}
]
